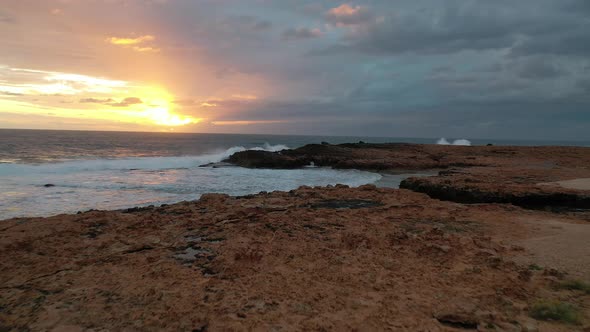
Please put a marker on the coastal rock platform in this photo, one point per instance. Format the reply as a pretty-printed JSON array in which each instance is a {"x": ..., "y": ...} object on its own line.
[
  {"x": 331, "y": 258},
  {"x": 549, "y": 177}
]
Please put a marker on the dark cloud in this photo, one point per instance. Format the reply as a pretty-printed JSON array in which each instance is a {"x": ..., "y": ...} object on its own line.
[
  {"x": 584, "y": 86},
  {"x": 7, "y": 18},
  {"x": 8, "y": 93},
  {"x": 127, "y": 102},
  {"x": 453, "y": 27},
  {"x": 250, "y": 22},
  {"x": 540, "y": 69},
  {"x": 575, "y": 42},
  {"x": 96, "y": 100},
  {"x": 111, "y": 102},
  {"x": 262, "y": 25},
  {"x": 474, "y": 68},
  {"x": 301, "y": 33}
]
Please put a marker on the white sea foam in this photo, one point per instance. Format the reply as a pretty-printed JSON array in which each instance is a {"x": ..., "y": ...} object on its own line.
[
  {"x": 139, "y": 163},
  {"x": 463, "y": 142}
]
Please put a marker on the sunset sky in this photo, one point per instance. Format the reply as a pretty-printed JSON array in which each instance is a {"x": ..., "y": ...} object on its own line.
[{"x": 465, "y": 68}]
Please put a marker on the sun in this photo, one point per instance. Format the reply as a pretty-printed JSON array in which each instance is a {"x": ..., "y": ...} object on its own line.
[
  {"x": 162, "y": 116},
  {"x": 157, "y": 108}
]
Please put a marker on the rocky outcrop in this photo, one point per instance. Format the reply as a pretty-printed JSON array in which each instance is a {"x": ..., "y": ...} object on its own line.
[
  {"x": 471, "y": 174},
  {"x": 523, "y": 195},
  {"x": 404, "y": 156},
  {"x": 266, "y": 159},
  {"x": 351, "y": 156}
]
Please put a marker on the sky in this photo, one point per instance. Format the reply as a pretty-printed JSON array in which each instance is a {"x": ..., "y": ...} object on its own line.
[{"x": 396, "y": 68}]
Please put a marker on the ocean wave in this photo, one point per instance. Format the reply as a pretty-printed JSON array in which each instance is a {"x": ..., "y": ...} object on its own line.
[
  {"x": 461, "y": 142},
  {"x": 138, "y": 163}
]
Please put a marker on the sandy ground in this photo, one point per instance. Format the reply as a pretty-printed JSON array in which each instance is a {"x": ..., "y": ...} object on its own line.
[
  {"x": 558, "y": 244},
  {"x": 579, "y": 184}
]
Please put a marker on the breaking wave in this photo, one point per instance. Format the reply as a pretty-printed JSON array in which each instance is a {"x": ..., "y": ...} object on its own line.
[
  {"x": 138, "y": 163},
  {"x": 461, "y": 142}
]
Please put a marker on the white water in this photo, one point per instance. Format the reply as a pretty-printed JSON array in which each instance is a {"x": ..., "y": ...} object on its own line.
[
  {"x": 122, "y": 183},
  {"x": 461, "y": 142}
]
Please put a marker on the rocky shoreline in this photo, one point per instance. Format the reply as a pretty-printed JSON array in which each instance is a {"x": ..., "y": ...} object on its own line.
[
  {"x": 323, "y": 258},
  {"x": 523, "y": 176}
]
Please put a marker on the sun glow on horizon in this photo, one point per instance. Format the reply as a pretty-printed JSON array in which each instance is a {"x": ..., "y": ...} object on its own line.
[
  {"x": 157, "y": 107},
  {"x": 162, "y": 116},
  {"x": 82, "y": 97}
]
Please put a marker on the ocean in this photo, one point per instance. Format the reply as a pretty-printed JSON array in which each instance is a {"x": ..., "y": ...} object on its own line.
[{"x": 116, "y": 170}]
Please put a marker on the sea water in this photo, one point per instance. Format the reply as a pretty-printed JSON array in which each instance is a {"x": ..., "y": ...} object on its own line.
[{"x": 44, "y": 173}]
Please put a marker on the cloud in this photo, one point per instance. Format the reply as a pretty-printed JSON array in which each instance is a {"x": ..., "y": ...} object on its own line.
[
  {"x": 146, "y": 49},
  {"x": 404, "y": 67},
  {"x": 540, "y": 69},
  {"x": 127, "y": 102},
  {"x": 9, "y": 93},
  {"x": 346, "y": 14},
  {"x": 111, "y": 102},
  {"x": 574, "y": 42},
  {"x": 96, "y": 100},
  {"x": 262, "y": 25},
  {"x": 244, "y": 96},
  {"x": 454, "y": 26},
  {"x": 301, "y": 33},
  {"x": 191, "y": 102},
  {"x": 136, "y": 44},
  {"x": 40, "y": 82},
  {"x": 250, "y": 23},
  {"x": 130, "y": 41},
  {"x": 6, "y": 18}
]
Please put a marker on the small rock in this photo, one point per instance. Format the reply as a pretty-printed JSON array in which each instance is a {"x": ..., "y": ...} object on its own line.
[
  {"x": 458, "y": 320},
  {"x": 443, "y": 248},
  {"x": 530, "y": 326},
  {"x": 368, "y": 187},
  {"x": 48, "y": 185}
]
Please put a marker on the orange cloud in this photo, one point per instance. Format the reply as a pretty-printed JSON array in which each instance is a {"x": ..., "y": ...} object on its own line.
[
  {"x": 131, "y": 41},
  {"x": 136, "y": 44},
  {"x": 345, "y": 10},
  {"x": 146, "y": 49},
  {"x": 346, "y": 14},
  {"x": 245, "y": 96}
]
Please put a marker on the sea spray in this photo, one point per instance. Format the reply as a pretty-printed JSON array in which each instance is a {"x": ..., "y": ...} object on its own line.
[{"x": 460, "y": 142}]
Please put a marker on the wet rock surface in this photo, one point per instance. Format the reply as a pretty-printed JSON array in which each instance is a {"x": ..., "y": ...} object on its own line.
[{"x": 311, "y": 259}]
